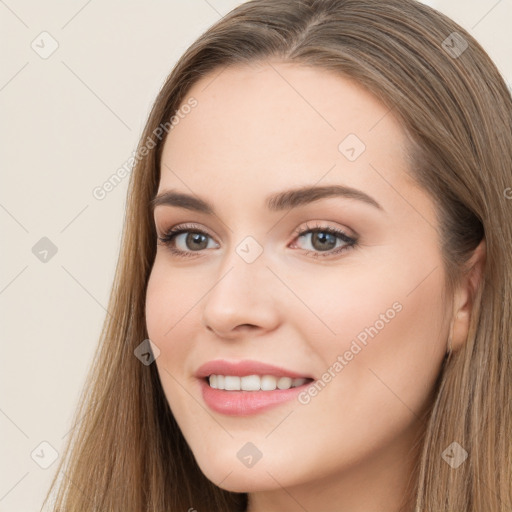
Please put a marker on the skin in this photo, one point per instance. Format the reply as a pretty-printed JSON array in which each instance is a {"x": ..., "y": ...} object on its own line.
[{"x": 258, "y": 130}]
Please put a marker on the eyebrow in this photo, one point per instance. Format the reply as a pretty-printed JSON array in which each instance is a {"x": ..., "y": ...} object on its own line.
[{"x": 277, "y": 202}]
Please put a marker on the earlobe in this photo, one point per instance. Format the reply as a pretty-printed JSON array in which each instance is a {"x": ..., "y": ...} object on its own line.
[
  {"x": 459, "y": 329},
  {"x": 464, "y": 298}
]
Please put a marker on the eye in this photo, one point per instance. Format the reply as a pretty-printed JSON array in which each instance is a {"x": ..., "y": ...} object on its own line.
[
  {"x": 324, "y": 240},
  {"x": 191, "y": 239}
]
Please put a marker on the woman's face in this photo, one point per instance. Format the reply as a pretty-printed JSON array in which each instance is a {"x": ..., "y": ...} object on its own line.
[{"x": 344, "y": 288}]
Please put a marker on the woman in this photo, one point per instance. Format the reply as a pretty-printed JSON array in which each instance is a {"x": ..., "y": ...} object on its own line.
[{"x": 341, "y": 338}]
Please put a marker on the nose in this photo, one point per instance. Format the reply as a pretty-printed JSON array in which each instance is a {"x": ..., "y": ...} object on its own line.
[{"x": 242, "y": 299}]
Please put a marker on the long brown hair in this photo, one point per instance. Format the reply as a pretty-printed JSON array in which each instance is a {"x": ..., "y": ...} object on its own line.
[{"x": 126, "y": 452}]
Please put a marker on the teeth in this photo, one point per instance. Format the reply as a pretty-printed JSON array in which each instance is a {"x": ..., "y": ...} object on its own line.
[
  {"x": 284, "y": 383},
  {"x": 253, "y": 382},
  {"x": 250, "y": 383},
  {"x": 268, "y": 383},
  {"x": 231, "y": 383}
]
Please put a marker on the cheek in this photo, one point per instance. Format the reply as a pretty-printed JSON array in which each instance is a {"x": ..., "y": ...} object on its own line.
[
  {"x": 166, "y": 318},
  {"x": 171, "y": 320},
  {"x": 390, "y": 340},
  {"x": 333, "y": 307},
  {"x": 170, "y": 300},
  {"x": 376, "y": 326}
]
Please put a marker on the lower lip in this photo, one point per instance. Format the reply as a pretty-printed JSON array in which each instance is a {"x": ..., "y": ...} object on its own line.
[{"x": 245, "y": 403}]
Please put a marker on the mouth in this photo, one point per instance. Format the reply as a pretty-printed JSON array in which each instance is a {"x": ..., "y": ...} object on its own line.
[
  {"x": 254, "y": 382},
  {"x": 245, "y": 387}
]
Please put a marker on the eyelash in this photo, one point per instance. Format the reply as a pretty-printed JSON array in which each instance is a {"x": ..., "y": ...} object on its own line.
[{"x": 350, "y": 242}]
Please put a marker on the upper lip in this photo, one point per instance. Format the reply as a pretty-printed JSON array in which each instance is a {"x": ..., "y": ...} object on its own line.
[{"x": 243, "y": 368}]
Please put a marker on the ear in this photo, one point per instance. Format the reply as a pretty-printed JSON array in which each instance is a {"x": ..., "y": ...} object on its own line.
[{"x": 464, "y": 297}]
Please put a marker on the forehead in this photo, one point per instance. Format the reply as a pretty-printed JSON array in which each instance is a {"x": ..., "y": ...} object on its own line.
[{"x": 271, "y": 125}]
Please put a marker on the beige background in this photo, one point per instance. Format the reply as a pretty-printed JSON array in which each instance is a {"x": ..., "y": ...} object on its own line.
[{"x": 68, "y": 122}]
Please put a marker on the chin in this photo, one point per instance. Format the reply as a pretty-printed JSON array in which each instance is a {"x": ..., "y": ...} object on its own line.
[{"x": 233, "y": 476}]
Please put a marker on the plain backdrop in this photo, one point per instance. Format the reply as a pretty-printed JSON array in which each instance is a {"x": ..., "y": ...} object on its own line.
[{"x": 76, "y": 84}]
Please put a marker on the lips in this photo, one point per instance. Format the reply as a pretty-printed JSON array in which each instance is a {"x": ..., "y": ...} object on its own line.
[{"x": 234, "y": 401}]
